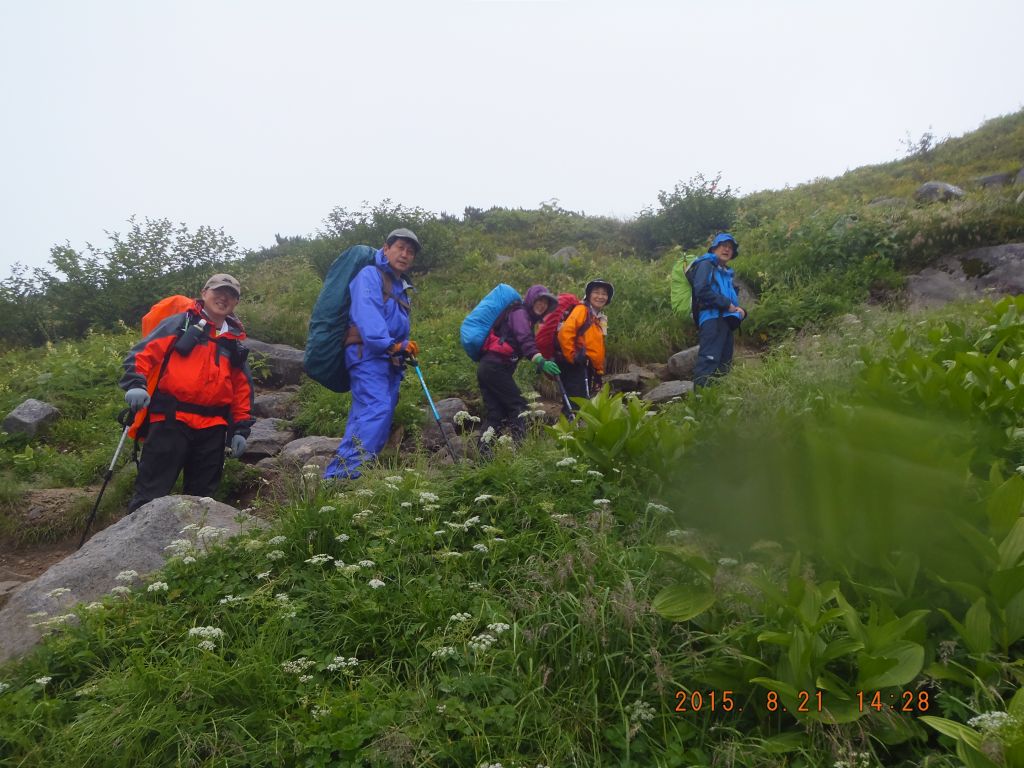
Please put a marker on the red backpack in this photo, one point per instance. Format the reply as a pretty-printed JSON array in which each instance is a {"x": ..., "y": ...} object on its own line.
[{"x": 547, "y": 333}]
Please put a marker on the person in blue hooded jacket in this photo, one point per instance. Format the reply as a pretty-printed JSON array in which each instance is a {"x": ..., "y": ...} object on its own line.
[
  {"x": 718, "y": 310},
  {"x": 375, "y": 350}
]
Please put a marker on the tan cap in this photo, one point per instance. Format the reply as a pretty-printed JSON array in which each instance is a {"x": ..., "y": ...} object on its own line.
[{"x": 223, "y": 281}]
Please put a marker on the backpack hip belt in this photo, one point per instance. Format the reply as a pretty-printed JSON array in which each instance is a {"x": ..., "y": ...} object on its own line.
[{"x": 169, "y": 405}]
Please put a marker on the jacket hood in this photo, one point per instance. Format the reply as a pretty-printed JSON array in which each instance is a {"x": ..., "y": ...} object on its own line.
[
  {"x": 539, "y": 292},
  {"x": 725, "y": 237}
]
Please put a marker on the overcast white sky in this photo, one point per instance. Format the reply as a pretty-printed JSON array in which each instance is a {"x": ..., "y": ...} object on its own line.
[{"x": 260, "y": 117}]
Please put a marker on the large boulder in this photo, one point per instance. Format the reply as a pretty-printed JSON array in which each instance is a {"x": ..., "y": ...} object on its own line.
[
  {"x": 563, "y": 255},
  {"x": 277, "y": 365},
  {"x": 937, "y": 191},
  {"x": 267, "y": 438},
  {"x": 31, "y": 417},
  {"x": 995, "y": 180},
  {"x": 624, "y": 382},
  {"x": 996, "y": 270},
  {"x": 681, "y": 364},
  {"x": 136, "y": 542}
]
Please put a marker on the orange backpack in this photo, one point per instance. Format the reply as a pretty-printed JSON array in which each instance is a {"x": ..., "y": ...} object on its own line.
[{"x": 163, "y": 309}]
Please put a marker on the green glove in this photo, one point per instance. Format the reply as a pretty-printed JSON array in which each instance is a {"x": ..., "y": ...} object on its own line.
[{"x": 547, "y": 366}]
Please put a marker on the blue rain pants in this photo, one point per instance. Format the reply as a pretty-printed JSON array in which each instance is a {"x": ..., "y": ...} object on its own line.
[{"x": 375, "y": 385}]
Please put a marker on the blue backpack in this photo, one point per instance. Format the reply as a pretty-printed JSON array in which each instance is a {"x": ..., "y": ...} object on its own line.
[
  {"x": 324, "y": 359},
  {"x": 479, "y": 322}
]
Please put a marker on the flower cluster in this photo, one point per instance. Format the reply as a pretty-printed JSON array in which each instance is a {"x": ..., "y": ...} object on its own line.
[
  {"x": 340, "y": 662},
  {"x": 568, "y": 461},
  {"x": 298, "y": 666},
  {"x": 229, "y": 599},
  {"x": 640, "y": 712},
  {"x": 376, "y": 583},
  {"x": 209, "y": 635},
  {"x": 460, "y": 617},
  {"x": 319, "y": 559},
  {"x": 426, "y": 497},
  {"x": 990, "y": 722},
  {"x": 463, "y": 417},
  {"x": 444, "y": 652},
  {"x": 158, "y": 586},
  {"x": 127, "y": 576},
  {"x": 482, "y": 643},
  {"x": 58, "y": 592}
]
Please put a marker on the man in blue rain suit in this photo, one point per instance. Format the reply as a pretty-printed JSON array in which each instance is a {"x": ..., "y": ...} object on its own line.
[
  {"x": 375, "y": 350},
  {"x": 719, "y": 314}
]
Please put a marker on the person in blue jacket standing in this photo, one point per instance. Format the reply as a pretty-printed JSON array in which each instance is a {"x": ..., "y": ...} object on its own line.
[
  {"x": 375, "y": 350},
  {"x": 718, "y": 310}
]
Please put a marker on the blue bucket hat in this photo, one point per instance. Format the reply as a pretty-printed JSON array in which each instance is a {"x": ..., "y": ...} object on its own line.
[{"x": 725, "y": 237}]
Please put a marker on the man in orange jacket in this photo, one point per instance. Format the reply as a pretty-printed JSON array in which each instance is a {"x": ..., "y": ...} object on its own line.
[{"x": 192, "y": 373}]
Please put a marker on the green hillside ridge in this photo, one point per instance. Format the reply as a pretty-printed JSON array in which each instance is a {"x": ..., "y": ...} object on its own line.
[{"x": 840, "y": 518}]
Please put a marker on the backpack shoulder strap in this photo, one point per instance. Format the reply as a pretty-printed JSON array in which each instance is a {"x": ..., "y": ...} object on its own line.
[{"x": 389, "y": 289}]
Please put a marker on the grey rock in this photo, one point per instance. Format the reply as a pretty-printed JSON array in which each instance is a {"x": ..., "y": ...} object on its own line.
[
  {"x": 31, "y": 417},
  {"x": 669, "y": 390},
  {"x": 564, "y": 254},
  {"x": 306, "y": 449},
  {"x": 446, "y": 408},
  {"x": 996, "y": 270},
  {"x": 624, "y": 382},
  {"x": 681, "y": 364},
  {"x": 267, "y": 438},
  {"x": 135, "y": 542},
  {"x": 995, "y": 180},
  {"x": 937, "y": 191},
  {"x": 276, "y": 405},
  {"x": 283, "y": 364},
  {"x": 9, "y": 586},
  {"x": 644, "y": 372}
]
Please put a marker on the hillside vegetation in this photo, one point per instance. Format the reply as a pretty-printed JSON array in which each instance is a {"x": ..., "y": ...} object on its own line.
[{"x": 818, "y": 562}]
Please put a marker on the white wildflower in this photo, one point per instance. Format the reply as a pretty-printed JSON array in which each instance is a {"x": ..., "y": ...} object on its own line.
[
  {"x": 158, "y": 586},
  {"x": 440, "y": 533},
  {"x": 376, "y": 583},
  {"x": 595, "y": 473},
  {"x": 319, "y": 712},
  {"x": 366, "y": 564},
  {"x": 319, "y": 559},
  {"x": 4, "y": 687},
  {"x": 480, "y": 548},
  {"x": 727, "y": 562},
  {"x": 127, "y": 576},
  {"x": 991, "y": 721},
  {"x": 277, "y": 541},
  {"x": 349, "y": 569},
  {"x": 482, "y": 642},
  {"x": 661, "y": 509},
  {"x": 431, "y": 507},
  {"x": 640, "y": 712},
  {"x": 602, "y": 502},
  {"x": 450, "y": 554},
  {"x": 305, "y": 678},
  {"x": 394, "y": 478},
  {"x": 93, "y": 606},
  {"x": 340, "y": 662},
  {"x": 417, "y": 519},
  {"x": 298, "y": 666},
  {"x": 392, "y": 487},
  {"x": 121, "y": 590},
  {"x": 567, "y": 437},
  {"x": 275, "y": 554},
  {"x": 189, "y": 528},
  {"x": 263, "y": 575},
  {"x": 441, "y": 708},
  {"x": 207, "y": 645},
  {"x": 568, "y": 461},
  {"x": 188, "y": 559},
  {"x": 427, "y": 497},
  {"x": 490, "y": 529},
  {"x": 282, "y": 597},
  {"x": 488, "y": 435},
  {"x": 406, "y": 505},
  {"x": 482, "y": 497},
  {"x": 207, "y": 633},
  {"x": 460, "y": 617},
  {"x": 45, "y": 680},
  {"x": 341, "y": 538},
  {"x": 444, "y": 652},
  {"x": 576, "y": 482},
  {"x": 229, "y": 599},
  {"x": 498, "y": 627},
  {"x": 505, "y": 441},
  {"x": 58, "y": 592},
  {"x": 326, "y": 508},
  {"x": 364, "y": 492}
]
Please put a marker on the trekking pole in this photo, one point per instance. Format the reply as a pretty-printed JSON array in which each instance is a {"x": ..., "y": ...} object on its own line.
[
  {"x": 125, "y": 417},
  {"x": 565, "y": 399},
  {"x": 437, "y": 417}
]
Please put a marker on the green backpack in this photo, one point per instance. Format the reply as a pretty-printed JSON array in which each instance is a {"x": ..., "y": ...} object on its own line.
[{"x": 681, "y": 287}]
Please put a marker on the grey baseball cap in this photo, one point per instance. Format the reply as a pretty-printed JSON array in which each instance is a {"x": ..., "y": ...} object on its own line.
[
  {"x": 222, "y": 280},
  {"x": 405, "y": 234}
]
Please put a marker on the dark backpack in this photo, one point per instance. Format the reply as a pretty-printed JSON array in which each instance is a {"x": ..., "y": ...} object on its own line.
[
  {"x": 547, "y": 333},
  {"x": 691, "y": 274},
  {"x": 324, "y": 359}
]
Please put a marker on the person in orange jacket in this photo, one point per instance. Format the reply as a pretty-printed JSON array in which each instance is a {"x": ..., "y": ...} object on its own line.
[
  {"x": 581, "y": 341},
  {"x": 192, "y": 374}
]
